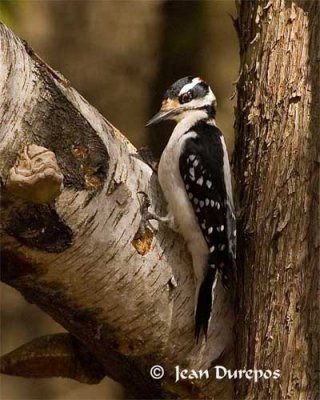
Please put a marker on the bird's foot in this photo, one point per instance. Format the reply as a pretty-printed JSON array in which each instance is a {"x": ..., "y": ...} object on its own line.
[{"x": 147, "y": 215}]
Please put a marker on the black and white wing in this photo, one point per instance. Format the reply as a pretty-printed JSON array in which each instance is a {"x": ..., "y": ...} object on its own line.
[{"x": 202, "y": 166}]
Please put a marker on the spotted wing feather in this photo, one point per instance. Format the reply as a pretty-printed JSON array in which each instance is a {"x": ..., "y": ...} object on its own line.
[{"x": 201, "y": 168}]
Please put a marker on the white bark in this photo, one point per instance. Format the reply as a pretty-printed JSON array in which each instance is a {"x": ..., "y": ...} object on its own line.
[{"x": 75, "y": 257}]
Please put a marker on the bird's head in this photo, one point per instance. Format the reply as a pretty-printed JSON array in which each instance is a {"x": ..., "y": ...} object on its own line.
[{"x": 185, "y": 96}]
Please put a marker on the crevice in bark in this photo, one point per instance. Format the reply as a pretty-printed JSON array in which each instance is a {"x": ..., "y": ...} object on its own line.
[{"x": 38, "y": 226}]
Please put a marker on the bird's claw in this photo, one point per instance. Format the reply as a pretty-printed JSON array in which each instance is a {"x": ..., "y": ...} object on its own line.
[{"x": 146, "y": 215}]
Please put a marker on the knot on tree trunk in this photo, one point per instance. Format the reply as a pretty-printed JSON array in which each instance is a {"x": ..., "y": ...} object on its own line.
[{"x": 36, "y": 175}]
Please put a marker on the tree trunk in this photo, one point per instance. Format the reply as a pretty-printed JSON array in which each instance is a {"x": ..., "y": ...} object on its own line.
[
  {"x": 276, "y": 167},
  {"x": 127, "y": 295},
  {"x": 72, "y": 243}
]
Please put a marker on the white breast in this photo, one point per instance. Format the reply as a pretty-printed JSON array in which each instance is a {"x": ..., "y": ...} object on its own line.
[{"x": 174, "y": 191}]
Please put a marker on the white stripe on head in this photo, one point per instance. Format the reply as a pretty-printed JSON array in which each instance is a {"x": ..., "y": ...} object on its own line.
[
  {"x": 190, "y": 85},
  {"x": 207, "y": 100}
]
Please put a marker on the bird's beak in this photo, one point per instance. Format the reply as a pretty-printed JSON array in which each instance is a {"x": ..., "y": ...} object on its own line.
[
  {"x": 168, "y": 109},
  {"x": 160, "y": 116}
]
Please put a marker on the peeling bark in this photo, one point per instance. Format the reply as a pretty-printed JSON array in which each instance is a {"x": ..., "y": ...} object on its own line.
[
  {"x": 128, "y": 299},
  {"x": 277, "y": 179}
]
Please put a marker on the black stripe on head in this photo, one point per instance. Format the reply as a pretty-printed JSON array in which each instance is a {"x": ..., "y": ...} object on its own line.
[
  {"x": 174, "y": 90},
  {"x": 200, "y": 90}
]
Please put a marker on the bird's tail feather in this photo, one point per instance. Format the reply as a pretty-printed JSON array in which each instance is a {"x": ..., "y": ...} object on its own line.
[{"x": 204, "y": 303}]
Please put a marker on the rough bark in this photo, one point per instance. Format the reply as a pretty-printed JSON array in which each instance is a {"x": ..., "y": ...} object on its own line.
[
  {"x": 126, "y": 295},
  {"x": 277, "y": 180}
]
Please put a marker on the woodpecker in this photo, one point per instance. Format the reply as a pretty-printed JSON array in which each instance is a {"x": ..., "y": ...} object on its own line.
[{"x": 194, "y": 174}]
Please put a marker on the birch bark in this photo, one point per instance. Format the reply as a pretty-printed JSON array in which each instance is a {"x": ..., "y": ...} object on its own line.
[{"x": 126, "y": 296}]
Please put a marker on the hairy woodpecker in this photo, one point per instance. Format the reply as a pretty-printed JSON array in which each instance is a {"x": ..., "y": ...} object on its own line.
[{"x": 194, "y": 174}]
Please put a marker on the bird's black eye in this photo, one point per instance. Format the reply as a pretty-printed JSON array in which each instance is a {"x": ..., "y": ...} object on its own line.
[{"x": 185, "y": 97}]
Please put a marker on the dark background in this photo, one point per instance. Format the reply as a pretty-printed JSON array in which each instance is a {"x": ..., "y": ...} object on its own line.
[{"x": 121, "y": 56}]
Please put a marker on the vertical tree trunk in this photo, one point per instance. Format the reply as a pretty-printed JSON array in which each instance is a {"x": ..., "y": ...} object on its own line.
[{"x": 278, "y": 127}]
